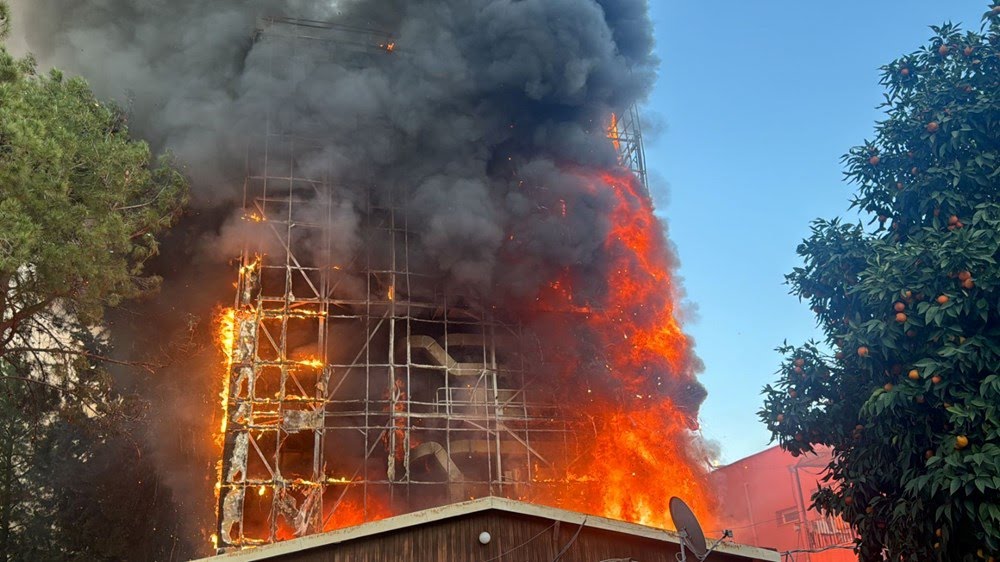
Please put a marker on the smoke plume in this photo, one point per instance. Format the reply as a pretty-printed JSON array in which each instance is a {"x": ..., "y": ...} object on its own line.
[{"x": 484, "y": 114}]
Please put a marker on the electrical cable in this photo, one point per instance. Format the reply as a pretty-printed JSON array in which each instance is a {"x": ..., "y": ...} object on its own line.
[
  {"x": 787, "y": 554},
  {"x": 571, "y": 540},
  {"x": 508, "y": 551}
]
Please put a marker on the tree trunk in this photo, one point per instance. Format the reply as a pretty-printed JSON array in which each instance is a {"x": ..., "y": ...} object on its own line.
[{"x": 6, "y": 485}]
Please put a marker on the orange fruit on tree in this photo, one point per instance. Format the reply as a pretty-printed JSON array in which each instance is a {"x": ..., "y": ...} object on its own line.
[
  {"x": 932, "y": 127},
  {"x": 967, "y": 51},
  {"x": 913, "y": 375},
  {"x": 887, "y": 387},
  {"x": 899, "y": 307},
  {"x": 968, "y": 284},
  {"x": 937, "y": 532},
  {"x": 963, "y": 275},
  {"x": 900, "y": 317},
  {"x": 943, "y": 50},
  {"x": 961, "y": 442},
  {"x": 928, "y": 454},
  {"x": 874, "y": 160},
  {"x": 849, "y": 500},
  {"x": 904, "y": 71},
  {"x": 942, "y": 299},
  {"x": 863, "y": 351},
  {"x": 953, "y": 219},
  {"x": 936, "y": 379},
  {"x": 780, "y": 418}
]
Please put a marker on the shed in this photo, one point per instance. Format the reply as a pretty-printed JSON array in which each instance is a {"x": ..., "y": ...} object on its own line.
[{"x": 518, "y": 532}]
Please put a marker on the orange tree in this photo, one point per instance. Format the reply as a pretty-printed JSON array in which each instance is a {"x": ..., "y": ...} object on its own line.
[{"x": 909, "y": 401}]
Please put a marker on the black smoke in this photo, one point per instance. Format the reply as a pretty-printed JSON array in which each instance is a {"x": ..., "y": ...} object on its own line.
[
  {"x": 486, "y": 114},
  {"x": 479, "y": 99}
]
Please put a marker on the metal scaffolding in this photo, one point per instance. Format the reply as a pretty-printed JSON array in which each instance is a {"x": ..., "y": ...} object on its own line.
[{"x": 362, "y": 388}]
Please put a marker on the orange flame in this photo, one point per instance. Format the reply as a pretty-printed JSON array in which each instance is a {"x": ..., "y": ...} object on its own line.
[
  {"x": 640, "y": 305},
  {"x": 613, "y": 133},
  {"x": 225, "y": 337},
  {"x": 312, "y": 362},
  {"x": 642, "y": 452},
  {"x": 352, "y": 512}
]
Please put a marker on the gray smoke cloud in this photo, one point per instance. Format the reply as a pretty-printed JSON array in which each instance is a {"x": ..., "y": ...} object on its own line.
[{"x": 480, "y": 98}]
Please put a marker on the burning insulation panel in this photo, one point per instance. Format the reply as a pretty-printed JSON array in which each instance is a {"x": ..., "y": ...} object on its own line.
[{"x": 361, "y": 382}]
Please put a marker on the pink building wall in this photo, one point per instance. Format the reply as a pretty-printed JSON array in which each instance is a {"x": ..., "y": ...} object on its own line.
[{"x": 764, "y": 499}]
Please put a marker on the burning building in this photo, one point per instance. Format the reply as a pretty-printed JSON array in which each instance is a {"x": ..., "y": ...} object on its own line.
[
  {"x": 451, "y": 280},
  {"x": 363, "y": 383}
]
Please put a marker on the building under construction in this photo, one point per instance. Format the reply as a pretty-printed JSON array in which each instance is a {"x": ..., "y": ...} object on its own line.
[{"x": 363, "y": 388}]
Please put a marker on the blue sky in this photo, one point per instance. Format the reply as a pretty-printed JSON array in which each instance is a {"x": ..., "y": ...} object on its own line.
[{"x": 755, "y": 104}]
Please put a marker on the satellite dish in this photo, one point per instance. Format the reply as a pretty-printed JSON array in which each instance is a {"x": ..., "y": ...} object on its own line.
[{"x": 690, "y": 530}]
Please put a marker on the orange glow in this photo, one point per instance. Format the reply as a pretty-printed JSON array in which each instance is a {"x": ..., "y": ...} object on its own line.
[
  {"x": 642, "y": 451},
  {"x": 348, "y": 512},
  {"x": 352, "y": 512},
  {"x": 640, "y": 303},
  {"x": 638, "y": 459},
  {"x": 613, "y": 133},
  {"x": 225, "y": 337}
]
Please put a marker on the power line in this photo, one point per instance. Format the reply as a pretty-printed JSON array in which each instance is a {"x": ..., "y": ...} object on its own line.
[
  {"x": 508, "y": 551},
  {"x": 787, "y": 554}
]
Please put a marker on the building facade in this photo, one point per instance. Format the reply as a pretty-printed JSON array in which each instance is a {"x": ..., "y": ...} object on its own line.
[{"x": 765, "y": 499}]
